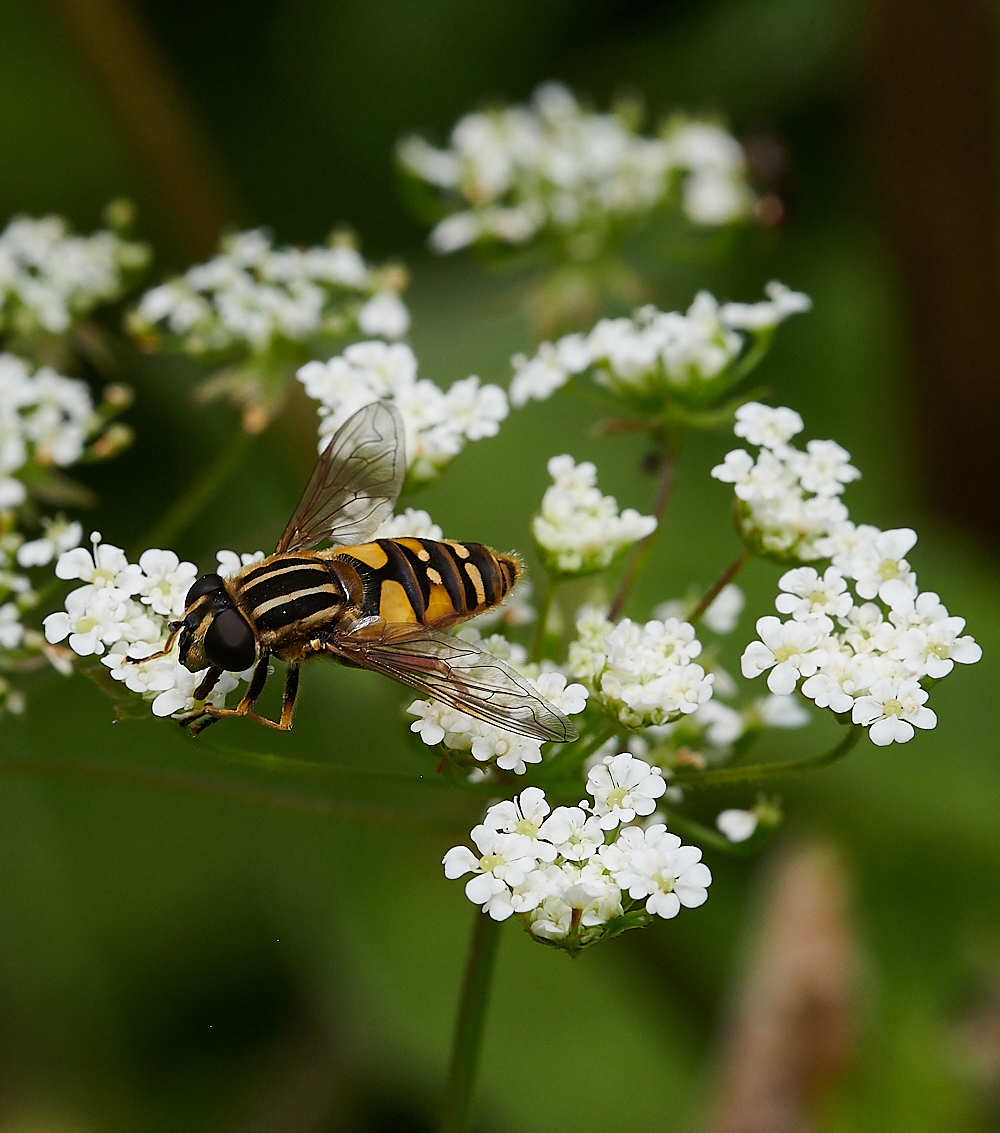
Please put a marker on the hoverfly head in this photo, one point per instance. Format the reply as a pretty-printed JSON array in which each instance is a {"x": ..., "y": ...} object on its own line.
[{"x": 213, "y": 631}]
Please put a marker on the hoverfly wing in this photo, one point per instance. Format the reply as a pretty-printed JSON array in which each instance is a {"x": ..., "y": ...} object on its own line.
[
  {"x": 355, "y": 484},
  {"x": 456, "y": 672}
]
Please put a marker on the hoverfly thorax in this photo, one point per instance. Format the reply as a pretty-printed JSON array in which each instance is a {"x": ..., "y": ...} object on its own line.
[
  {"x": 213, "y": 632},
  {"x": 377, "y": 604}
]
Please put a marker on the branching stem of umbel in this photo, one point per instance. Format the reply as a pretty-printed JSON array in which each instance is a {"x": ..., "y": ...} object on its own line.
[
  {"x": 470, "y": 1024},
  {"x": 666, "y": 467},
  {"x": 719, "y": 585}
]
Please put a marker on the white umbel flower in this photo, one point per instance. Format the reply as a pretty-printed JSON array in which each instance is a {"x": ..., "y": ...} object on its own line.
[
  {"x": 579, "y": 530},
  {"x": 891, "y": 710},
  {"x": 437, "y": 423},
  {"x": 644, "y": 673},
  {"x": 653, "y": 864},
  {"x": 413, "y": 523},
  {"x": 790, "y": 499},
  {"x": 789, "y": 649},
  {"x": 622, "y": 788},
  {"x": 503, "y": 863}
]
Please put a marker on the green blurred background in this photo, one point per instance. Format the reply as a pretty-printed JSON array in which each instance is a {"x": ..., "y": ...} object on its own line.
[{"x": 189, "y": 945}]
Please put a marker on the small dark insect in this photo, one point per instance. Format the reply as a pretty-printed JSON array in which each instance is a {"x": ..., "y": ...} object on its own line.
[{"x": 378, "y": 605}]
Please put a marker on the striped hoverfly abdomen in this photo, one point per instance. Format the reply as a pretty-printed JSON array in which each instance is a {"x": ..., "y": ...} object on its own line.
[
  {"x": 373, "y": 604},
  {"x": 426, "y": 581}
]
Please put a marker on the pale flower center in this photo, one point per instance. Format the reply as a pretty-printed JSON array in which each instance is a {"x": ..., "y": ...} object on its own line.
[
  {"x": 665, "y": 884},
  {"x": 893, "y": 707},
  {"x": 85, "y": 625},
  {"x": 527, "y": 827},
  {"x": 489, "y": 862},
  {"x": 617, "y": 797},
  {"x": 817, "y": 598},
  {"x": 889, "y": 569},
  {"x": 102, "y": 577},
  {"x": 785, "y": 653},
  {"x": 940, "y": 650}
]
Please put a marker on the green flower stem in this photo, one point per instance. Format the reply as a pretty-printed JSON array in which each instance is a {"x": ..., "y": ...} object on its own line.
[
  {"x": 541, "y": 623},
  {"x": 470, "y": 1023},
  {"x": 201, "y": 493},
  {"x": 642, "y": 551},
  {"x": 726, "y": 776},
  {"x": 719, "y": 585}
]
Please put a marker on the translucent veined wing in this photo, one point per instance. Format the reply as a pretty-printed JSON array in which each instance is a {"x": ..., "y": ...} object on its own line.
[
  {"x": 355, "y": 483},
  {"x": 449, "y": 669}
]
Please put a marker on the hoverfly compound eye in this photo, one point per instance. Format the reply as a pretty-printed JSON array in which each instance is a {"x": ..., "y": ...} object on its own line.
[
  {"x": 229, "y": 642},
  {"x": 207, "y": 584}
]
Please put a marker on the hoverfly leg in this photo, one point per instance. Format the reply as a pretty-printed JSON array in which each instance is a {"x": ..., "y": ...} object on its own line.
[
  {"x": 254, "y": 689},
  {"x": 288, "y": 697},
  {"x": 206, "y": 686},
  {"x": 165, "y": 651},
  {"x": 201, "y": 722}
]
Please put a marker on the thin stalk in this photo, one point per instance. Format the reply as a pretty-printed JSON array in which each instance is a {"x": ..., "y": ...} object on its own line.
[
  {"x": 470, "y": 1023},
  {"x": 642, "y": 551},
  {"x": 726, "y": 776},
  {"x": 542, "y": 621},
  {"x": 201, "y": 492},
  {"x": 719, "y": 585}
]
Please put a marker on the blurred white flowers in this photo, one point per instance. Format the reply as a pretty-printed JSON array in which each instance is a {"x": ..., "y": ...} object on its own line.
[
  {"x": 513, "y": 174},
  {"x": 557, "y": 871},
  {"x": 252, "y": 295},
  {"x": 438, "y": 423},
  {"x": 654, "y": 352},
  {"x": 578, "y": 530},
  {"x": 45, "y": 418},
  {"x": 49, "y": 277}
]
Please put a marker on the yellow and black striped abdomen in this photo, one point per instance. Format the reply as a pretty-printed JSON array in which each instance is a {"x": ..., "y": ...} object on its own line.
[{"x": 427, "y": 582}]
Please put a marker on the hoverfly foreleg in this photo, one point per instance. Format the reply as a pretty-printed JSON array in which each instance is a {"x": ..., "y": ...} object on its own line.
[{"x": 176, "y": 628}]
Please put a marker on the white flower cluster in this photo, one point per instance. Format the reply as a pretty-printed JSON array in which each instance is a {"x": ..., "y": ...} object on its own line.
[
  {"x": 437, "y": 423},
  {"x": 864, "y": 652},
  {"x": 790, "y": 499},
  {"x": 645, "y": 674},
  {"x": 253, "y": 294},
  {"x": 44, "y": 418},
  {"x": 122, "y": 609},
  {"x": 578, "y": 530},
  {"x": 564, "y": 872},
  {"x": 655, "y": 351},
  {"x": 514, "y": 172},
  {"x": 438, "y": 723},
  {"x": 49, "y": 277}
]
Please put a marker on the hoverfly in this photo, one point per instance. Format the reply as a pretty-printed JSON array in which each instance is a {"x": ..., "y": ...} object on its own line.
[{"x": 375, "y": 605}]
